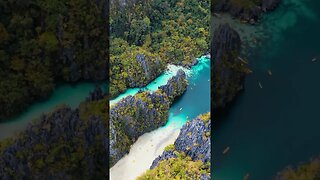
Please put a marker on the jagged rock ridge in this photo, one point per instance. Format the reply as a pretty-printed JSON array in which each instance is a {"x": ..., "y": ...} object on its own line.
[
  {"x": 228, "y": 71},
  {"x": 144, "y": 112}
]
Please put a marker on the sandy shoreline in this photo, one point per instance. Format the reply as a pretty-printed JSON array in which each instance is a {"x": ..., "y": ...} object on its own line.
[{"x": 148, "y": 147}]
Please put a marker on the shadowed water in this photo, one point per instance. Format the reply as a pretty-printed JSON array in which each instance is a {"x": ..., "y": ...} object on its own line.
[
  {"x": 278, "y": 125},
  {"x": 71, "y": 95}
]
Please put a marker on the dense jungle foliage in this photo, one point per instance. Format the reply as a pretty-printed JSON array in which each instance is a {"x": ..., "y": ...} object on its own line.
[
  {"x": 186, "y": 158},
  {"x": 43, "y": 42},
  {"x": 305, "y": 171},
  {"x": 161, "y": 32},
  {"x": 132, "y": 117},
  {"x": 63, "y": 144},
  {"x": 181, "y": 167}
]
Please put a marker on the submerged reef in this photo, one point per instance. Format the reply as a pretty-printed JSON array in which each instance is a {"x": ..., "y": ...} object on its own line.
[
  {"x": 228, "y": 70},
  {"x": 247, "y": 10},
  {"x": 189, "y": 156},
  {"x": 144, "y": 112}
]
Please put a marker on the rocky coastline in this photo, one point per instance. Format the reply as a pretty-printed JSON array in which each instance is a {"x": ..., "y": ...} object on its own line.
[
  {"x": 192, "y": 145},
  {"x": 246, "y": 10},
  {"x": 144, "y": 112},
  {"x": 228, "y": 71}
]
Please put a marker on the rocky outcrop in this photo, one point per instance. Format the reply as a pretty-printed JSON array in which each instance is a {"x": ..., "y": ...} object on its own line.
[
  {"x": 193, "y": 141},
  {"x": 176, "y": 86},
  {"x": 58, "y": 145},
  {"x": 148, "y": 69},
  {"x": 144, "y": 112},
  {"x": 187, "y": 64},
  {"x": 246, "y": 10},
  {"x": 268, "y": 5},
  {"x": 228, "y": 71}
]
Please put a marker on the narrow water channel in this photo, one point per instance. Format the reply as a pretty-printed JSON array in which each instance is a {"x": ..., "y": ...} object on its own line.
[{"x": 195, "y": 101}]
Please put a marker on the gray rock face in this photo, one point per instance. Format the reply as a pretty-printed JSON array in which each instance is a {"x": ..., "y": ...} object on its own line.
[
  {"x": 194, "y": 140},
  {"x": 53, "y": 137},
  {"x": 251, "y": 13},
  {"x": 268, "y": 5},
  {"x": 228, "y": 71},
  {"x": 225, "y": 40},
  {"x": 151, "y": 68},
  {"x": 176, "y": 86},
  {"x": 136, "y": 115}
]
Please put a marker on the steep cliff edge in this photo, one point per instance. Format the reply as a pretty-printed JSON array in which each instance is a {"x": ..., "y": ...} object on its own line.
[
  {"x": 189, "y": 156},
  {"x": 64, "y": 144},
  {"x": 247, "y": 10},
  {"x": 228, "y": 71},
  {"x": 144, "y": 112}
]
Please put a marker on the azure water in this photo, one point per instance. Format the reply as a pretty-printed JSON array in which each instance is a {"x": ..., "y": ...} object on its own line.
[{"x": 195, "y": 101}]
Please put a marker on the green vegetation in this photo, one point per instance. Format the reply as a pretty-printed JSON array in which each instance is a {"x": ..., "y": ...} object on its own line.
[
  {"x": 205, "y": 117},
  {"x": 181, "y": 167},
  {"x": 134, "y": 116},
  {"x": 175, "y": 164},
  {"x": 169, "y": 148},
  {"x": 43, "y": 42},
  {"x": 307, "y": 171},
  {"x": 64, "y": 144},
  {"x": 97, "y": 108},
  {"x": 164, "y": 32}
]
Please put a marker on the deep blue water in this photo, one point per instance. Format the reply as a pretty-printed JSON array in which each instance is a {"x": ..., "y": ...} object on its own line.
[{"x": 270, "y": 128}]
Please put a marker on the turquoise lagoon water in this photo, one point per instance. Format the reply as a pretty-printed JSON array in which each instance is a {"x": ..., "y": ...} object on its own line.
[
  {"x": 71, "y": 95},
  {"x": 195, "y": 101},
  {"x": 270, "y": 128}
]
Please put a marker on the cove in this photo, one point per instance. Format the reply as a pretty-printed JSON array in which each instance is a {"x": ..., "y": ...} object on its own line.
[
  {"x": 195, "y": 101},
  {"x": 270, "y": 128},
  {"x": 71, "y": 95}
]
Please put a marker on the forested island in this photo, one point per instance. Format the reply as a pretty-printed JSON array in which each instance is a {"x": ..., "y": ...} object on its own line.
[
  {"x": 147, "y": 35},
  {"x": 45, "y": 43}
]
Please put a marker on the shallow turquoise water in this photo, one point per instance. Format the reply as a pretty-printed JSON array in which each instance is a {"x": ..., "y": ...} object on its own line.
[
  {"x": 270, "y": 128},
  {"x": 71, "y": 95},
  {"x": 153, "y": 86},
  {"x": 195, "y": 101}
]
